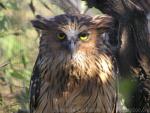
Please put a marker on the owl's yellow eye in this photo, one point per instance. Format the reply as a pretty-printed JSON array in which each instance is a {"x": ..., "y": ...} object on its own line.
[
  {"x": 61, "y": 36},
  {"x": 84, "y": 36}
]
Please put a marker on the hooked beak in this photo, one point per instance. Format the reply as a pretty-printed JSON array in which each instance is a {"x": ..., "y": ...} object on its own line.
[{"x": 71, "y": 46}]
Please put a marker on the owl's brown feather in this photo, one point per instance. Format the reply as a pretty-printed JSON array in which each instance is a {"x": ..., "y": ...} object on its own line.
[{"x": 85, "y": 81}]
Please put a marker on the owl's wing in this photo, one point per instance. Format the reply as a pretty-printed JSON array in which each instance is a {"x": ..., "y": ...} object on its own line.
[
  {"x": 145, "y": 4},
  {"x": 34, "y": 86},
  {"x": 142, "y": 96}
]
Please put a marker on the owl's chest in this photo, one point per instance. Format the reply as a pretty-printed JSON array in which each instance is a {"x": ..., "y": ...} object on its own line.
[
  {"x": 84, "y": 86},
  {"x": 79, "y": 98}
]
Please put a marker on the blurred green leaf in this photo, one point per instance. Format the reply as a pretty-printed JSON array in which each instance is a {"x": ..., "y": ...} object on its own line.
[
  {"x": 24, "y": 60},
  {"x": 17, "y": 75}
]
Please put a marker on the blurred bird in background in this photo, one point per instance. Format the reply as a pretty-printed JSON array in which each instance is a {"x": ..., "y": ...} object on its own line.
[
  {"x": 75, "y": 71},
  {"x": 133, "y": 53}
]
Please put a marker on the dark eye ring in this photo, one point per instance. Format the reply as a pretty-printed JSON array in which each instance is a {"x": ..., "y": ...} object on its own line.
[{"x": 61, "y": 36}]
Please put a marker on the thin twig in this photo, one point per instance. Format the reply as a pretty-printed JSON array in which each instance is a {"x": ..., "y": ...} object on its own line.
[{"x": 4, "y": 65}]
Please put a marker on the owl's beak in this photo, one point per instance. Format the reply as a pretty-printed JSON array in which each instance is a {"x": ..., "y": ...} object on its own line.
[{"x": 71, "y": 46}]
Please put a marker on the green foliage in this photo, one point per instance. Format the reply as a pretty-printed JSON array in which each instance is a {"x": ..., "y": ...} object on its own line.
[{"x": 18, "y": 49}]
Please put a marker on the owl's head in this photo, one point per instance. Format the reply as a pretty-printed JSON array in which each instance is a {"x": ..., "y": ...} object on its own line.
[{"x": 69, "y": 34}]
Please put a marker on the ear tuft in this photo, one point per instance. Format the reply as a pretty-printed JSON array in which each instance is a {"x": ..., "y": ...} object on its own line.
[
  {"x": 40, "y": 23},
  {"x": 104, "y": 22}
]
